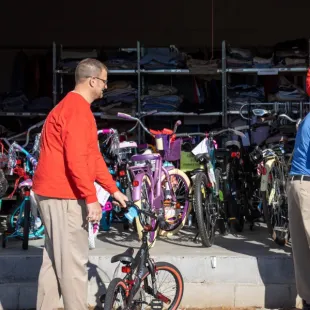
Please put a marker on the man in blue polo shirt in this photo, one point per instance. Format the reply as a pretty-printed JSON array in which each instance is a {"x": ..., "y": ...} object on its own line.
[{"x": 298, "y": 192}]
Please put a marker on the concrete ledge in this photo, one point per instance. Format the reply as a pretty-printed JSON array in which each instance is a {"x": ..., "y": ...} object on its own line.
[
  {"x": 23, "y": 295},
  {"x": 230, "y": 281},
  {"x": 238, "y": 271}
]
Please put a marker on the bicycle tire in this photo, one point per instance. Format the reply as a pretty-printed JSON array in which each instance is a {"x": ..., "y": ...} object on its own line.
[
  {"x": 26, "y": 225},
  {"x": 189, "y": 207},
  {"x": 110, "y": 294},
  {"x": 234, "y": 210},
  {"x": 207, "y": 240},
  {"x": 152, "y": 235},
  {"x": 12, "y": 227},
  {"x": 176, "y": 275},
  {"x": 267, "y": 215}
]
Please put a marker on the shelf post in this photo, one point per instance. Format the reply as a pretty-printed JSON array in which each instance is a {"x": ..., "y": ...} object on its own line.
[
  {"x": 139, "y": 89},
  {"x": 224, "y": 86}
]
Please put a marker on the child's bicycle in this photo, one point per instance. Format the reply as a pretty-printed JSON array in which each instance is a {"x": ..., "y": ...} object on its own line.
[{"x": 140, "y": 288}]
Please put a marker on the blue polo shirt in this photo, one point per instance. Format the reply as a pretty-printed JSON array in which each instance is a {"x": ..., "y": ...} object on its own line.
[{"x": 301, "y": 158}]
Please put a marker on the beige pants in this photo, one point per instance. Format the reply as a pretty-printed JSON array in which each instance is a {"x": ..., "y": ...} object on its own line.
[
  {"x": 63, "y": 271},
  {"x": 298, "y": 193}
]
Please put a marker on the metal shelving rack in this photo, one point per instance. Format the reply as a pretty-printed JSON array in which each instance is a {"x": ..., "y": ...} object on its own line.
[
  {"x": 59, "y": 73},
  {"x": 260, "y": 72}
]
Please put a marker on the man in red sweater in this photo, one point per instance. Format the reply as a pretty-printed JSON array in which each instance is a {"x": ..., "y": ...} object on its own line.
[{"x": 70, "y": 162}]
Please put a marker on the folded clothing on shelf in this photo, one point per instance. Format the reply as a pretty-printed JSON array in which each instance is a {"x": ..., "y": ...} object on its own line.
[
  {"x": 287, "y": 92},
  {"x": 242, "y": 94},
  {"x": 291, "y": 53},
  {"x": 203, "y": 66},
  {"x": 162, "y": 58},
  {"x": 169, "y": 103},
  {"x": 120, "y": 91},
  {"x": 122, "y": 61},
  {"x": 239, "y": 58},
  {"x": 161, "y": 90}
]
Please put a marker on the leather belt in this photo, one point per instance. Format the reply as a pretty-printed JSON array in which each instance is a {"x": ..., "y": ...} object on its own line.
[{"x": 299, "y": 178}]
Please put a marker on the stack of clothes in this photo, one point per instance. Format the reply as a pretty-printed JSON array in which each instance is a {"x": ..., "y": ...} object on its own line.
[
  {"x": 199, "y": 66},
  {"x": 162, "y": 58},
  {"x": 239, "y": 58},
  {"x": 162, "y": 98},
  {"x": 292, "y": 53},
  {"x": 120, "y": 96},
  {"x": 287, "y": 92},
  {"x": 70, "y": 59},
  {"x": 122, "y": 61},
  {"x": 263, "y": 58},
  {"x": 241, "y": 94}
]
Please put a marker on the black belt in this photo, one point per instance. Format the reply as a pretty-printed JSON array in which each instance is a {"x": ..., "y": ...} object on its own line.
[{"x": 299, "y": 178}]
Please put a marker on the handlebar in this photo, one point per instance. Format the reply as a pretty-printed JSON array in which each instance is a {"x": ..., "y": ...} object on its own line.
[
  {"x": 25, "y": 132},
  {"x": 212, "y": 133},
  {"x": 33, "y": 161},
  {"x": 132, "y": 118},
  {"x": 288, "y": 118},
  {"x": 134, "y": 211}
]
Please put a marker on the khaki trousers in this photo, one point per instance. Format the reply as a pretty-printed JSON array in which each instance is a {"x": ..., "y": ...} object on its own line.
[
  {"x": 63, "y": 271},
  {"x": 298, "y": 193}
]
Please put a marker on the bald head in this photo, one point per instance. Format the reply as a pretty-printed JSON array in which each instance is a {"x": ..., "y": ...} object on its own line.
[{"x": 88, "y": 67}]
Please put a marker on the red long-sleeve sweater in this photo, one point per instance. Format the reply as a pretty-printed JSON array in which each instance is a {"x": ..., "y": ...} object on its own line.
[
  {"x": 308, "y": 83},
  {"x": 70, "y": 161}
]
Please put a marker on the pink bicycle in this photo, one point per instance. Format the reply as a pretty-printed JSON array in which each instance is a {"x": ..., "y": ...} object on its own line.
[{"x": 159, "y": 188}]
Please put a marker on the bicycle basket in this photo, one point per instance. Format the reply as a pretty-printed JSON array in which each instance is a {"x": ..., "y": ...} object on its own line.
[
  {"x": 256, "y": 156},
  {"x": 171, "y": 150}
]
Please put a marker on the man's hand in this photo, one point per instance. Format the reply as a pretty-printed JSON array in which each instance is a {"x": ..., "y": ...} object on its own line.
[
  {"x": 121, "y": 198},
  {"x": 94, "y": 212}
]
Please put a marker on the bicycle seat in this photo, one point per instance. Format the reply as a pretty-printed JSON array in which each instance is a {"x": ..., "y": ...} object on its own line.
[
  {"x": 26, "y": 183},
  {"x": 203, "y": 157},
  {"x": 125, "y": 257},
  {"x": 233, "y": 144}
]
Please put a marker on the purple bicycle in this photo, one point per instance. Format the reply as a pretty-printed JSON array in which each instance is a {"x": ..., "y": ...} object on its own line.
[{"x": 158, "y": 186}]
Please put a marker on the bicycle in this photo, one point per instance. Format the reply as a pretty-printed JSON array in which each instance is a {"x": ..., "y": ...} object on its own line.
[
  {"x": 160, "y": 187},
  {"x": 23, "y": 221},
  {"x": 209, "y": 183},
  {"x": 274, "y": 167},
  {"x": 140, "y": 271}
]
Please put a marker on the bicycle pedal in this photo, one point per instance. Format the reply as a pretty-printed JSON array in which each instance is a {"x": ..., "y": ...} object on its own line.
[{"x": 157, "y": 304}]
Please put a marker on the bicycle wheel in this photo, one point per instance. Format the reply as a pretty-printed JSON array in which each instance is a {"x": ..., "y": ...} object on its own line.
[
  {"x": 180, "y": 185},
  {"x": 26, "y": 224},
  {"x": 236, "y": 210},
  {"x": 275, "y": 206},
  {"x": 14, "y": 223},
  {"x": 115, "y": 297},
  {"x": 204, "y": 209},
  {"x": 169, "y": 290},
  {"x": 144, "y": 204}
]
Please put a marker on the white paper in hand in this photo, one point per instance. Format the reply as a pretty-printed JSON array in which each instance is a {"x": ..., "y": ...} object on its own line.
[{"x": 102, "y": 194}]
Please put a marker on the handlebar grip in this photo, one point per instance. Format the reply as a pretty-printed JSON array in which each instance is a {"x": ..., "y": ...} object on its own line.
[
  {"x": 105, "y": 131},
  {"x": 125, "y": 116}
]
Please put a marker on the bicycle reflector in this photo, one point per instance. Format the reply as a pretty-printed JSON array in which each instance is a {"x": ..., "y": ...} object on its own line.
[
  {"x": 126, "y": 269},
  {"x": 135, "y": 183},
  {"x": 122, "y": 173}
]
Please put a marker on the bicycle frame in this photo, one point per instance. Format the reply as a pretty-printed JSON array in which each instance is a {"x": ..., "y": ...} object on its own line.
[
  {"x": 141, "y": 259},
  {"x": 155, "y": 178}
]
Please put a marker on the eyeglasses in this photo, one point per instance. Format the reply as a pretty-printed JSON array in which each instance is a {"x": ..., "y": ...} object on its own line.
[{"x": 95, "y": 77}]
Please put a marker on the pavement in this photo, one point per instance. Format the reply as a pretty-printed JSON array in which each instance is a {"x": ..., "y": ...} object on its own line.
[{"x": 246, "y": 270}]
